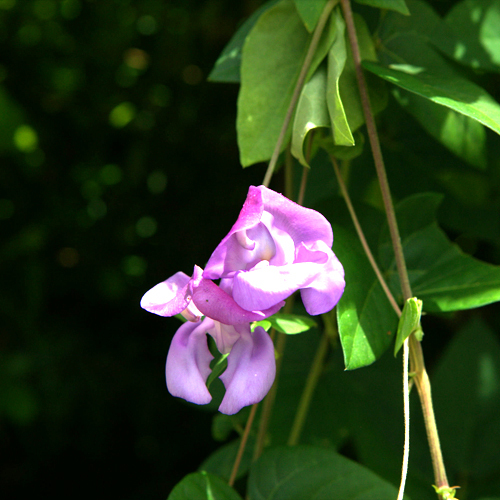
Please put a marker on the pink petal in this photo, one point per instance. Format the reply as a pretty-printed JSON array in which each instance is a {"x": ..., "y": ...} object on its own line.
[
  {"x": 250, "y": 372},
  {"x": 188, "y": 363}
]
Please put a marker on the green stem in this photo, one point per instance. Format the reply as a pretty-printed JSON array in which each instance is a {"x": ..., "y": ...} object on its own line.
[
  {"x": 298, "y": 87},
  {"x": 415, "y": 350},
  {"x": 243, "y": 443},
  {"x": 309, "y": 388}
]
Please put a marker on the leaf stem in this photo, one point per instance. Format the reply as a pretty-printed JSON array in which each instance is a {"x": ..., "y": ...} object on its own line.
[
  {"x": 298, "y": 87},
  {"x": 415, "y": 350},
  {"x": 310, "y": 386},
  {"x": 243, "y": 443}
]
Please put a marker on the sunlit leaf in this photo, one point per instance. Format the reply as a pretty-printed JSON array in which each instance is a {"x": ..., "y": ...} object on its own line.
[
  {"x": 337, "y": 56},
  {"x": 311, "y": 112},
  {"x": 408, "y": 322},
  {"x": 310, "y": 12}
]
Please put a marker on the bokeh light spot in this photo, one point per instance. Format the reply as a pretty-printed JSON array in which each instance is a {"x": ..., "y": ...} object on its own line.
[
  {"x": 6, "y": 209},
  {"x": 70, "y": 9},
  {"x": 68, "y": 257},
  {"x": 160, "y": 95},
  {"x": 44, "y": 9},
  {"x": 29, "y": 34},
  {"x": 146, "y": 227},
  {"x": 110, "y": 174},
  {"x": 25, "y": 139},
  {"x": 122, "y": 114},
  {"x": 192, "y": 74},
  {"x": 157, "y": 182},
  {"x": 7, "y": 4},
  {"x": 147, "y": 25},
  {"x": 97, "y": 208},
  {"x": 136, "y": 59},
  {"x": 133, "y": 265}
]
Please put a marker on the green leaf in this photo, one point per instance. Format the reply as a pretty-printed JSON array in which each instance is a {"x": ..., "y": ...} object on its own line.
[
  {"x": 337, "y": 56},
  {"x": 203, "y": 486},
  {"x": 311, "y": 112},
  {"x": 348, "y": 83},
  {"x": 462, "y": 135},
  {"x": 454, "y": 92},
  {"x": 406, "y": 43},
  {"x": 310, "y": 12},
  {"x": 466, "y": 393},
  {"x": 307, "y": 472},
  {"x": 441, "y": 275},
  {"x": 474, "y": 24},
  {"x": 221, "y": 461},
  {"x": 218, "y": 368},
  {"x": 273, "y": 55},
  {"x": 227, "y": 66},
  {"x": 291, "y": 324},
  {"x": 409, "y": 321},
  {"x": 396, "y": 5},
  {"x": 367, "y": 322}
]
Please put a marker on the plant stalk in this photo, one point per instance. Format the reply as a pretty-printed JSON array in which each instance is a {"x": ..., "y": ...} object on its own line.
[{"x": 415, "y": 350}]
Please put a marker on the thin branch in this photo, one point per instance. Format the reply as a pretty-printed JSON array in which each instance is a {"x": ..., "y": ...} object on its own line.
[{"x": 243, "y": 443}]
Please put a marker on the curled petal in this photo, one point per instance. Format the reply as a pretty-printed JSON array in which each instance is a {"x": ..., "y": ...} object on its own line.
[
  {"x": 315, "y": 269},
  {"x": 218, "y": 305},
  {"x": 287, "y": 224},
  {"x": 188, "y": 363},
  {"x": 173, "y": 296},
  {"x": 325, "y": 290},
  {"x": 250, "y": 372}
]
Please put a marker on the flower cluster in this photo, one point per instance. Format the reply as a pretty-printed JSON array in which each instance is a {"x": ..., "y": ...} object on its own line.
[{"x": 275, "y": 248}]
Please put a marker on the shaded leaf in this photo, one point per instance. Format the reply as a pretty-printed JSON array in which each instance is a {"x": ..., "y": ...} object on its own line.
[
  {"x": 203, "y": 486},
  {"x": 469, "y": 372},
  {"x": 313, "y": 472},
  {"x": 227, "y": 67},
  {"x": 396, "y": 5},
  {"x": 441, "y": 275},
  {"x": 273, "y": 55},
  {"x": 474, "y": 24}
]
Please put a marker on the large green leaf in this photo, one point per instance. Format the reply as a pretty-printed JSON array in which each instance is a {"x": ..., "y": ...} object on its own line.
[
  {"x": 337, "y": 56},
  {"x": 441, "y": 275},
  {"x": 308, "y": 472},
  {"x": 367, "y": 323},
  {"x": 454, "y": 92},
  {"x": 227, "y": 67},
  {"x": 475, "y": 25},
  {"x": 396, "y": 5},
  {"x": 273, "y": 55},
  {"x": 406, "y": 44},
  {"x": 203, "y": 486},
  {"x": 467, "y": 382},
  {"x": 310, "y": 12}
]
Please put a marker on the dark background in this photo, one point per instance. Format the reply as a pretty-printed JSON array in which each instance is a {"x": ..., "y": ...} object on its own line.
[{"x": 119, "y": 167}]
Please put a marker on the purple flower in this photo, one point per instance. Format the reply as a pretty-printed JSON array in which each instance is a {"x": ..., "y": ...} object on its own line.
[
  {"x": 251, "y": 366},
  {"x": 275, "y": 248}
]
